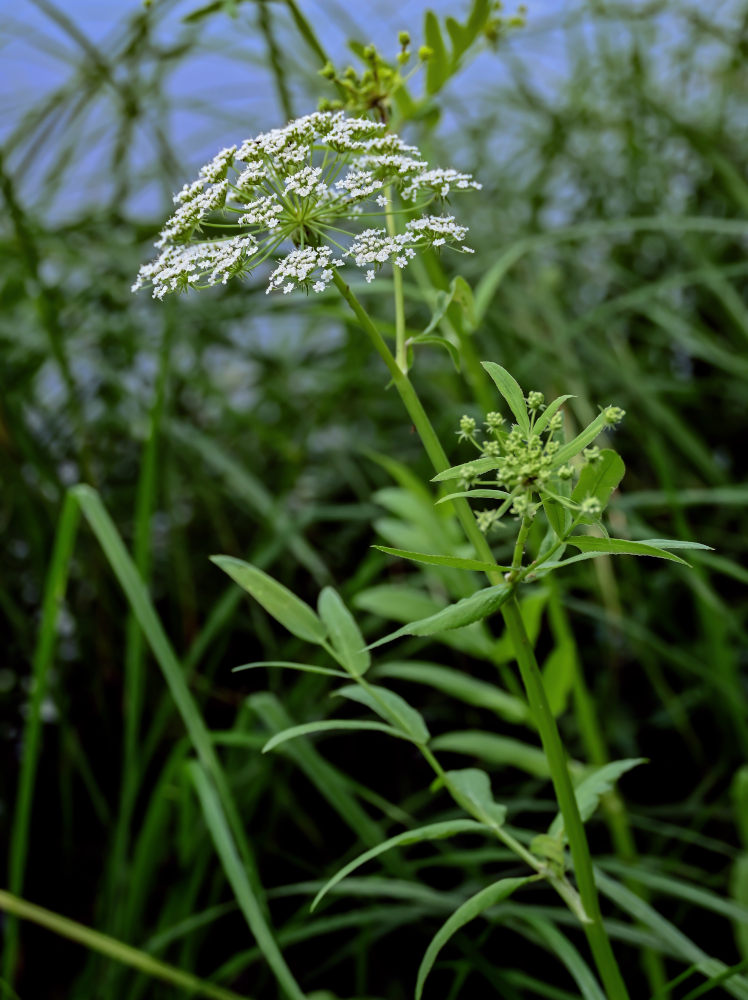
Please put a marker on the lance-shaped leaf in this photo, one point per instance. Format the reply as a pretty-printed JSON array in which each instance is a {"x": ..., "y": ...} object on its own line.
[
  {"x": 476, "y": 495},
  {"x": 585, "y": 437},
  {"x": 477, "y": 467},
  {"x": 472, "y": 789},
  {"x": 654, "y": 547},
  {"x": 345, "y": 634},
  {"x": 277, "y": 600},
  {"x": 460, "y": 685},
  {"x": 470, "y": 609},
  {"x": 512, "y": 393},
  {"x": 590, "y": 790},
  {"x": 309, "y": 668},
  {"x": 434, "y": 831},
  {"x": 455, "y": 562},
  {"x": 469, "y": 910},
  {"x": 390, "y": 707},
  {"x": 545, "y": 417},
  {"x": 329, "y": 726}
]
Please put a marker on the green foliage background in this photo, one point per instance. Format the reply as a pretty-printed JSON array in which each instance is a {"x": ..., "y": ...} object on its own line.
[{"x": 610, "y": 263}]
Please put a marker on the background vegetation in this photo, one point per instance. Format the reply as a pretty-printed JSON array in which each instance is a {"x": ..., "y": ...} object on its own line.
[{"x": 609, "y": 263}]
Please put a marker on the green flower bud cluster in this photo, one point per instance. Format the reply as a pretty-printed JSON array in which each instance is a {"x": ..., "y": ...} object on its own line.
[
  {"x": 371, "y": 89},
  {"x": 613, "y": 415},
  {"x": 526, "y": 463},
  {"x": 535, "y": 400},
  {"x": 467, "y": 428}
]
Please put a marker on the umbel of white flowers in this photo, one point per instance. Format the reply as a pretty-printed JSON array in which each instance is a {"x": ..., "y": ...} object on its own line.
[{"x": 299, "y": 196}]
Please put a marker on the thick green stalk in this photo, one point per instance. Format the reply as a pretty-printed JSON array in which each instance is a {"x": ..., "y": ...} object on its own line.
[
  {"x": 401, "y": 353},
  {"x": 529, "y": 670},
  {"x": 556, "y": 756}
]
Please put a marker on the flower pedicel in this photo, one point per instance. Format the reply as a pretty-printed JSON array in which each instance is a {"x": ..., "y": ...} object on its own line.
[{"x": 302, "y": 189}]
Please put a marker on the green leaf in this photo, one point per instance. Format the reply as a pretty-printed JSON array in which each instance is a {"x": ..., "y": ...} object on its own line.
[
  {"x": 462, "y": 294},
  {"x": 544, "y": 419},
  {"x": 437, "y": 68},
  {"x": 558, "y": 675},
  {"x": 433, "y": 338},
  {"x": 309, "y": 668},
  {"x": 590, "y": 790},
  {"x": 328, "y": 726},
  {"x": 550, "y": 938},
  {"x": 472, "y": 789},
  {"x": 599, "y": 479},
  {"x": 512, "y": 393},
  {"x": 558, "y": 516},
  {"x": 396, "y": 600},
  {"x": 434, "y": 831},
  {"x": 236, "y": 874},
  {"x": 477, "y": 495},
  {"x": 478, "y": 466},
  {"x": 499, "y": 751},
  {"x": 276, "y": 599},
  {"x": 459, "y": 37},
  {"x": 585, "y": 437},
  {"x": 344, "y": 633},
  {"x": 479, "y": 14},
  {"x": 455, "y": 562},
  {"x": 459, "y": 685},
  {"x": 391, "y": 707},
  {"x": 469, "y": 910},
  {"x": 470, "y": 609},
  {"x": 622, "y": 547}
]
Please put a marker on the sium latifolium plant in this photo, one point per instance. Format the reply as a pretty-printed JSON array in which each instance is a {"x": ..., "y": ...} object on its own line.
[{"x": 304, "y": 202}]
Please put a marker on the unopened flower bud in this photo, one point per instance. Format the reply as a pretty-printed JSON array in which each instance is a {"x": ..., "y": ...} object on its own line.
[
  {"x": 556, "y": 422},
  {"x": 613, "y": 414},
  {"x": 591, "y": 507},
  {"x": 535, "y": 400},
  {"x": 369, "y": 52},
  {"x": 403, "y": 57},
  {"x": 425, "y": 53},
  {"x": 494, "y": 420},
  {"x": 328, "y": 71},
  {"x": 591, "y": 454},
  {"x": 404, "y": 39},
  {"x": 566, "y": 472}
]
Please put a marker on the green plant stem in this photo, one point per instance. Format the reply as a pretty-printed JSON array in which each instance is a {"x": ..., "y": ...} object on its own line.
[
  {"x": 112, "y": 948},
  {"x": 528, "y": 666},
  {"x": 418, "y": 415},
  {"x": 519, "y": 548},
  {"x": 401, "y": 354},
  {"x": 556, "y": 756}
]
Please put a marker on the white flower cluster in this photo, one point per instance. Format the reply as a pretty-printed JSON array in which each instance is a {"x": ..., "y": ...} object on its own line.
[
  {"x": 375, "y": 246},
  {"x": 440, "y": 181},
  {"x": 299, "y": 266},
  {"x": 195, "y": 265},
  {"x": 303, "y": 186}
]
